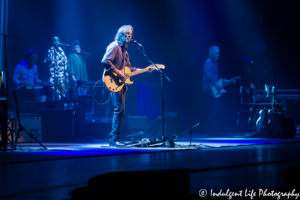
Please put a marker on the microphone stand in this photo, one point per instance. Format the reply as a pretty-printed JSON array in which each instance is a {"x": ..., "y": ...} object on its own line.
[
  {"x": 162, "y": 76},
  {"x": 190, "y": 130},
  {"x": 271, "y": 70}
]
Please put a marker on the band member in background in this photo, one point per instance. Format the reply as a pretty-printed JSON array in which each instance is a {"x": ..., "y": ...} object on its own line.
[
  {"x": 115, "y": 59},
  {"x": 58, "y": 66},
  {"x": 77, "y": 66},
  {"x": 26, "y": 74},
  {"x": 213, "y": 105}
]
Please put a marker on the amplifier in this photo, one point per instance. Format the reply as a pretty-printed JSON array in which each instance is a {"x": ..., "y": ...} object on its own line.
[
  {"x": 58, "y": 125},
  {"x": 88, "y": 103},
  {"x": 137, "y": 122}
]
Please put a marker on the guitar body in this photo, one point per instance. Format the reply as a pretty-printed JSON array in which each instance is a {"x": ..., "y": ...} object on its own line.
[
  {"x": 215, "y": 91},
  {"x": 112, "y": 81},
  {"x": 252, "y": 114},
  {"x": 252, "y": 120},
  {"x": 243, "y": 114},
  {"x": 114, "y": 84},
  {"x": 262, "y": 120}
]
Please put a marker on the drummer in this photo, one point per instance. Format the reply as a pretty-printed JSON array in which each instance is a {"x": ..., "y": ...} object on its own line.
[{"x": 26, "y": 74}]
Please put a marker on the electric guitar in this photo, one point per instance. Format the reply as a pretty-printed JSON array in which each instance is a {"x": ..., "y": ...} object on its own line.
[
  {"x": 216, "y": 92},
  {"x": 263, "y": 120},
  {"x": 240, "y": 121},
  {"x": 252, "y": 118},
  {"x": 114, "y": 83}
]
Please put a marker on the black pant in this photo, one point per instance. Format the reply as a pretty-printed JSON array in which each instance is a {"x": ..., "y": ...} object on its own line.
[
  {"x": 213, "y": 112},
  {"x": 118, "y": 100}
]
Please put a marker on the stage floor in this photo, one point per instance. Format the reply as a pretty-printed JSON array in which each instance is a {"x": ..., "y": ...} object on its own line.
[{"x": 214, "y": 163}]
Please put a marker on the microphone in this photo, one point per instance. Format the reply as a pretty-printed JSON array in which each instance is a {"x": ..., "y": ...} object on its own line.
[
  {"x": 196, "y": 125},
  {"x": 61, "y": 44},
  {"x": 248, "y": 60},
  {"x": 85, "y": 53},
  {"x": 135, "y": 42}
]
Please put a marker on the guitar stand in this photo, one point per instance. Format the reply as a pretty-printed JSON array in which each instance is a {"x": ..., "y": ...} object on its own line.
[{"x": 20, "y": 127}]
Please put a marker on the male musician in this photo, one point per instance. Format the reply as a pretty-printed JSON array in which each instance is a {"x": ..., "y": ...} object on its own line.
[
  {"x": 115, "y": 59},
  {"x": 26, "y": 74},
  {"x": 213, "y": 105},
  {"x": 58, "y": 66},
  {"x": 77, "y": 66}
]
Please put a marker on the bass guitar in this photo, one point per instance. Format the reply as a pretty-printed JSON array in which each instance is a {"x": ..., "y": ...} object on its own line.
[
  {"x": 275, "y": 112},
  {"x": 216, "y": 92},
  {"x": 114, "y": 84}
]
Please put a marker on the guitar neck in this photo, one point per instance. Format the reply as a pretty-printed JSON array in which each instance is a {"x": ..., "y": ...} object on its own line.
[
  {"x": 227, "y": 83},
  {"x": 137, "y": 72}
]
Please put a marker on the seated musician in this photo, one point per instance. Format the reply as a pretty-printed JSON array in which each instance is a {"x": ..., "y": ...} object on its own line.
[
  {"x": 77, "y": 67},
  {"x": 26, "y": 74}
]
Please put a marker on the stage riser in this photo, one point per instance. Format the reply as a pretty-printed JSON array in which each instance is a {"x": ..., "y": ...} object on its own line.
[{"x": 137, "y": 122}]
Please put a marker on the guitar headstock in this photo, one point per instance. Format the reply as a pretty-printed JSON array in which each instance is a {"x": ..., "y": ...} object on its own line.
[
  {"x": 273, "y": 90},
  {"x": 241, "y": 89},
  {"x": 267, "y": 89}
]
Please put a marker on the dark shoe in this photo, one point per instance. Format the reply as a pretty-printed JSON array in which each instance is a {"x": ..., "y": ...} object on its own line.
[
  {"x": 114, "y": 140},
  {"x": 119, "y": 142},
  {"x": 112, "y": 144}
]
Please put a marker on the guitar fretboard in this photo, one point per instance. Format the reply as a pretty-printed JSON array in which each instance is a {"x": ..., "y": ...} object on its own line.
[{"x": 137, "y": 72}]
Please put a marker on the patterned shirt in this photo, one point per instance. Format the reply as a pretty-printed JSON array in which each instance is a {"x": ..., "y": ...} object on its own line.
[
  {"x": 210, "y": 73},
  {"x": 23, "y": 73},
  {"x": 58, "y": 66}
]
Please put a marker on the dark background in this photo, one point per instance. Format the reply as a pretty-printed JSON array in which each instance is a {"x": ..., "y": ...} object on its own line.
[{"x": 175, "y": 33}]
